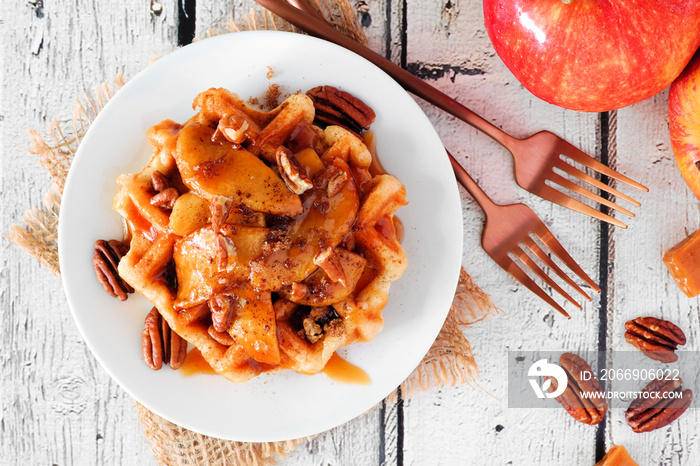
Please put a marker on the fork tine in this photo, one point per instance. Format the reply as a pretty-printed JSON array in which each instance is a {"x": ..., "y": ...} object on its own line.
[
  {"x": 537, "y": 250},
  {"x": 516, "y": 272},
  {"x": 571, "y": 186},
  {"x": 551, "y": 242},
  {"x": 584, "y": 159},
  {"x": 530, "y": 264},
  {"x": 569, "y": 202},
  {"x": 575, "y": 172}
]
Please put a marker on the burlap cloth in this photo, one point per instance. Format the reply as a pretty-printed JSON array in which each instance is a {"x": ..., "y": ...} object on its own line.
[{"x": 449, "y": 360}]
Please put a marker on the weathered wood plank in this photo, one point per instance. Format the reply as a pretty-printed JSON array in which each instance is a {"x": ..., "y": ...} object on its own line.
[
  {"x": 447, "y": 43},
  {"x": 58, "y": 405},
  {"x": 217, "y": 15},
  {"x": 642, "y": 285}
]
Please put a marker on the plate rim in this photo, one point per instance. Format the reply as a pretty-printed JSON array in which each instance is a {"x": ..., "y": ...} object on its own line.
[{"x": 81, "y": 154}]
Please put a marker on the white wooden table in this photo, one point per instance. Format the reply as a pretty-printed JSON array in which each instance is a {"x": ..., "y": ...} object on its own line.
[{"x": 60, "y": 407}]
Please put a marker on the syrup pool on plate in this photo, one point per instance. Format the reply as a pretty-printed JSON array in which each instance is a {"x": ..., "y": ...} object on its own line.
[{"x": 340, "y": 370}]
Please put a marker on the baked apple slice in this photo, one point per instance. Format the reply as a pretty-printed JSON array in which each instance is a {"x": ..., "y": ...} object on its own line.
[
  {"x": 320, "y": 289},
  {"x": 254, "y": 326},
  {"x": 215, "y": 168},
  {"x": 199, "y": 272},
  {"x": 293, "y": 249}
]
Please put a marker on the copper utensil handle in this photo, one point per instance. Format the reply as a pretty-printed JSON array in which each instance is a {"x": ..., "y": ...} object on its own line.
[
  {"x": 425, "y": 91},
  {"x": 460, "y": 173},
  {"x": 481, "y": 198},
  {"x": 304, "y": 5}
]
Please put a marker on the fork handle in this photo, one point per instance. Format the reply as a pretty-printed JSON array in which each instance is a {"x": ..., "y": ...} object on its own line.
[
  {"x": 314, "y": 26},
  {"x": 481, "y": 198},
  {"x": 304, "y": 5}
]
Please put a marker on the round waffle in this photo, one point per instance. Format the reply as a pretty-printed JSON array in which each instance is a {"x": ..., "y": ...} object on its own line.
[{"x": 261, "y": 238}]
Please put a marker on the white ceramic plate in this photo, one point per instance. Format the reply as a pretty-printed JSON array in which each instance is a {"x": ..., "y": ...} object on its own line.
[{"x": 282, "y": 405}]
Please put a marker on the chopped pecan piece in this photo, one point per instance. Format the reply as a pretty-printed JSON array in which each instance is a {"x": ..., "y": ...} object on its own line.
[
  {"x": 220, "y": 207},
  {"x": 234, "y": 128},
  {"x": 222, "y": 311},
  {"x": 654, "y": 337},
  {"x": 662, "y": 401},
  {"x": 588, "y": 410},
  {"x": 330, "y": 263},
  {"x": 348, "y": 241},
  {"x": 336, "y": 107},
  {"x": 159, "y": 181},
  {"x": 315, "y": 324},
  {"x": 106, "y": 259},
  {"x": 313, "y": 331},
  {"x": 226, "y": 251},
  {"x": 293, "y": 174},
  {"x": 337, "y": 183},
  {"x": 166, "y": 195},
  {"x": 332, "y": 178},
  {"x": 159, "y": 344},
  {"x": 165, "y": 199}
]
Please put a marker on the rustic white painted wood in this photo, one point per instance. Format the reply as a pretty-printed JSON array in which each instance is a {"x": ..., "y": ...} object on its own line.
[
  {"x": 60, "y": 407},
  {"x": 466, "y": 420},
  {"x": 670, "y": 213}
]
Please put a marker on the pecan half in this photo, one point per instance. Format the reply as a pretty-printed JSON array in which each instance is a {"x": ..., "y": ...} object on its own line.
[
  {"x": 166, "y": 195},
  {"x": 336, "y": 107},
  {"x": 159, "y": 344},
  {"x": 656, "y": 338},
  {"x": 221, "y": 337},
  {"x": 159, "y": 181},
  {"x": 293, "y": 174},
  {"x": 588, "y": 410},
  {"x": 222, "y": 311},
  {"x": 165, "y": 199},
  {"x": 661, "y": 402},
  {"x": 106, "y": 259}
]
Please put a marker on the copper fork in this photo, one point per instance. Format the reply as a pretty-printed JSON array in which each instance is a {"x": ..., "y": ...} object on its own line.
[
  {"x": 510, "y": 231},
  {"x": 511, "y": 228},
  {"x": 536, "y": 157}
]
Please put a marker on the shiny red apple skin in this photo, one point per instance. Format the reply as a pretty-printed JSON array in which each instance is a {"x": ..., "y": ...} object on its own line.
[
  {"x": 684, "y": 123},
  {"x": 594, "y": 55}
]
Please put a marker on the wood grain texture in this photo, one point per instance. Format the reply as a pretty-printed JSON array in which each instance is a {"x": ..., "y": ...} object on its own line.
[
  {"x": 447, "y": 44},
  {"x": 642, "y": 284},
  {"x": 60, "y": 407}
]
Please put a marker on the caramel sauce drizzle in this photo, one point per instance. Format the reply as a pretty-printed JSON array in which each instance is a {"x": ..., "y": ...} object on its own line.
[
  {"x": 340, "y": 370},
  {"x": 337, "y": 368},
  {"x": 195, "y": 364}
]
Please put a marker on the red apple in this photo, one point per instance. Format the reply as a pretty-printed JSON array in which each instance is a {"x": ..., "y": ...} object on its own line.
[
  {"x": 594, "y": 55},
  {"x": 684, "y": 123}
]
